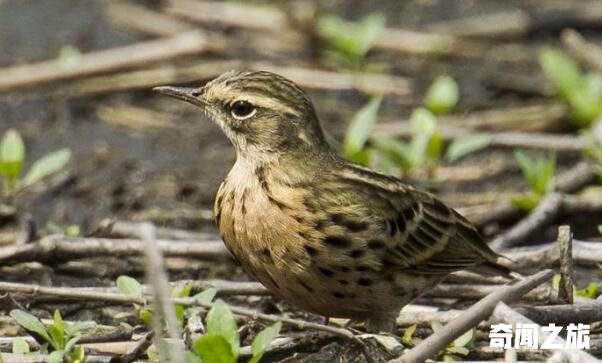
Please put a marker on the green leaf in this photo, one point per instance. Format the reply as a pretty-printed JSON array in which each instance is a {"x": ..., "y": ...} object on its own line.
[
  {"x": 466, "y": 145},
  {"x": 586, "y": 106},
  {"x": 214, "y": 348},
  {"x": 427, "y": 142},
  {"x": 561, "y": 70},
  {"x": 71, "y": 343},
  {"x": 367, "y": 31},
  {"x": 442, "y": 96},
  {"x": 436, "y": 325},
  {"x": 361, "y": 127},
  {"x": 146, "y": 315},
  {"x": 181, "y": 292},
  {"x": 59, "y": 327},
  {"x": 539, "y": 173},
  {"x": 465, "y": 339},
  {"x": 56, "y": 356},
  {"x": 78, "y": 355},
  {"x": 591, "y": 291},
  {"x": 71, "y": 329},
  {"x": 220, "y": 321},
  {"x": 129, "y": 286},
  {"x": 457, "y": 350},
  {"x": 192, "y": 358},
  {"x": 20, "y": 346},
  {"x": 30, "y": 323},
  {"x": 206, "y": 296},
  {"x": 407, "y": 335},
  {"x": 46, "y": 165},
  {"x": 395, "y": 150},
  {"x": 526, "y": 202},
  {"x": 12, "y": 154},
  {"x": 69, "y": 56},
  {"x": 262, "y": 341}
]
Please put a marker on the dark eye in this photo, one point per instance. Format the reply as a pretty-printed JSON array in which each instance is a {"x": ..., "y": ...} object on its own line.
[{"x": 242, "y": 110}]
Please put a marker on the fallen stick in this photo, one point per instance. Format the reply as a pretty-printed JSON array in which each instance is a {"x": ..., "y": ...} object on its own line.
[
  {"x": 371, "y": 83},
  {"x": 527, "y": 140},
  {"x": 548, "y": 255},
  {"x": 165, "y": 322},
  {"x": 529, "y": 118},
  {"x": 470, "y": 318},
  {"x": 119, "y": 298},
  {"x": 144, "y": 20},
  {"x": 587, "y": 52},
  {"x": 103, "y": 61},
  {"x": 55, "y": 248},
  {"x": 248, "y": 16},
  {"x": 565, "y": 247},
  {"x": 549, "y": 208},
  {"x": 569, "y": 181},
  {"x": 515, "y": 23},
  {"x": 541, "y": 314}
]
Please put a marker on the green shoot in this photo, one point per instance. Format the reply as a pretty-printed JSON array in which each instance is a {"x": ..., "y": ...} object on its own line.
[
  {"x": 582, "y": 92},
  {"x": 466, "y": 145},
  {"x": 459, "y": 347},
  {"x": 359, "y": 131},
  {"x": 590, "y": 291},
  {"x": 442, "y": 96},
  {"x": 60, "y": 335},
  {"x": 20, "y": 346},
  {"x": 12, "y": 159},
  {"x": 221, "y": 344},
  {"x": 539, "y": 175},
  {"x": 71, "y": 230},
  {"x": 348, "y": 43},
  {"x": 593, "y": 136}
]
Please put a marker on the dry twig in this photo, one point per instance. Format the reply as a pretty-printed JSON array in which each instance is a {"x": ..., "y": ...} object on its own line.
[
  {"x": 133, "y": 55},
  {"x": 164, "y": 314},
  {"x": 55, "y": 248},
  {"x": 565, "y": 244},
  {"x": 587, "y": 52},
  {"x": 471, "y": 317}
]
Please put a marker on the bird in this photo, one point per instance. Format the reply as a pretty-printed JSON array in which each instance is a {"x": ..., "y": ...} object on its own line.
[{"x": 327, "y": 235}]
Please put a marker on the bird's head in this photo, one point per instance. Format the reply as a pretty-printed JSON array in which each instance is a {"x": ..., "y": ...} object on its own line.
[{"x": 261, "y": 113}]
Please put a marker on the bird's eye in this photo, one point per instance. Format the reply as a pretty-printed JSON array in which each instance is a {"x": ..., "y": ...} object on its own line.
[{"x": 242, "y": 110}]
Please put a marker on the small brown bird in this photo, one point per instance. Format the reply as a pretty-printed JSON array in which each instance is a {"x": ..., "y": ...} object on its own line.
[{"x": 325, "y": 234}]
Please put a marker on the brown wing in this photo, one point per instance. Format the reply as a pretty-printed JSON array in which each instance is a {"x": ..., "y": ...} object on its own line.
[{"x": 414, "y": 230}]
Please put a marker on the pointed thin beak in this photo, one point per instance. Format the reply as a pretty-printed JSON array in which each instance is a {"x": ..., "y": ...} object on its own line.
[{"x": 190, "y": 95}]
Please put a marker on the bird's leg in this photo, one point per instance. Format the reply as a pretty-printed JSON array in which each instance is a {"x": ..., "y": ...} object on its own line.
[{"x": 380, "y": 324}]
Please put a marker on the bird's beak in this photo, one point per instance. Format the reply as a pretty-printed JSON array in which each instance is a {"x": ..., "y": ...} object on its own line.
[{"x": 190, "y": 95}]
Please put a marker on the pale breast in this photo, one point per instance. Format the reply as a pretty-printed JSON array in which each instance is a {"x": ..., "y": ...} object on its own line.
[{"x": 267, "y": 227}]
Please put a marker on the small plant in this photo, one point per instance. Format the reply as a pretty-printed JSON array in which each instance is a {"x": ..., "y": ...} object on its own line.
[
  {"x": 442, "y": 96},
  {"x": 359, "y": 131},
  {"x": 348, "y": 43},
  {"x": 539, "y": 174},
  {"x": 459, "y": 347},
  {"x": 71, "y": 230},
  {"x": 221, "y": 344},
  {"x": 593, "y": 136},
  {"x": 581, "y": 91},
  {"x": 12, "y": 158},
  {"x": 424, "y": 151},
  {"x": 132, "y": 287},
  {"x": 59, "y": 335},
  {"x": 591, "y": 291}
]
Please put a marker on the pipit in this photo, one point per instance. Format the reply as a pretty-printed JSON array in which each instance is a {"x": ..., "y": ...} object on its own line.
[{"x": 327, "y": 235}]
